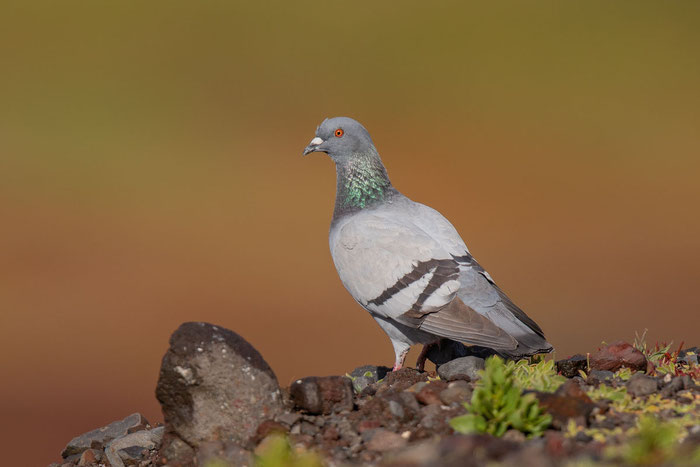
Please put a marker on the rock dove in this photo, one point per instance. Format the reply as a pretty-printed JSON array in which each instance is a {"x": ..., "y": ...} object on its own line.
[{"x": 407, "y": 265}]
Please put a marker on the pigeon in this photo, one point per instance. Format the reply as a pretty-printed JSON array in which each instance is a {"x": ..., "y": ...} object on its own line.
[{"x": 406, "y": 264}]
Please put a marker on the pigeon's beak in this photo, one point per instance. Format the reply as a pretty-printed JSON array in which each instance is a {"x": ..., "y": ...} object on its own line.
[{"x": 313, "y": 146}]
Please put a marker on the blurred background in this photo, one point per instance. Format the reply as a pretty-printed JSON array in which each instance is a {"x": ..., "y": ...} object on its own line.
[{"x": 151, "y": 174}]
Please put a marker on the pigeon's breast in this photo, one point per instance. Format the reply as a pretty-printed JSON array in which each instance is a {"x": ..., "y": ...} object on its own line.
[{"x": 391, "y": 267}]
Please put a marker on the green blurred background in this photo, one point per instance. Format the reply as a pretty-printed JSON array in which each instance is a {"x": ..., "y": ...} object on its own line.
[{"x": 151, "y": 173}]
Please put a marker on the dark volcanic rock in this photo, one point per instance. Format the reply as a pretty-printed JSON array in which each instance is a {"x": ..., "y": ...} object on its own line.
[
  {"x": 619, "y": 354},
  {"x": 571, "y": 366},
  {"x": 214, "y": 385},
  {"x": 642, "y": 385},
  {"x": 322, "y": 394},
  {"x": 466, "y": 368},
  {"x": 99, "y": 437},
  {"x": 568, "y": 402}
]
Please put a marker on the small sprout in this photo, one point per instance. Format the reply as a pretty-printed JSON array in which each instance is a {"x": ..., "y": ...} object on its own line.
[{"x": 624, "y": 373}]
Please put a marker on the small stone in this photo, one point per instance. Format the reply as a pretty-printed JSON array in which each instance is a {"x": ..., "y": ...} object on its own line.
[
  {"x": 289, "y": 418},
  {"x": 365, "y": 376},
  {"x": 514, "y": 435},
  {"x": 457, "y": 392},
  {"x": 308, "y": 429},
  {"x": 384, "y": 440},
  {"x": 330, "y": 433},
  {"x": 213, "y": 384},
  {"x": 688, "y": 383},
  {"x": 571, "y": 366},
  {"x": 582, "y": 437},
  {"x": 430, "y": 393},
  {"x": 689, "y": 356},
  {"x": 403, "y": 405},
  {"x": 480, "y": 448},
  {"x": 596, "y": 377},
  {"x": 367, "y": 425},
  {"x": 372, "y": 372},
  {"x": 433, "y": 419},
  {"x": 397, "y": 410},
  {"x": 569, "y": 402},
  {"x": 322, "y": 394},
  {"x": 670, "y": 389},
  {"x": 418, "y": 454},
  {"x": 360, "y": 383},
  {"x": 267, "y": 428},
  {"x": 97, "y": 438},
  {"x": 465, "y": 368},
  {"x": 175, "y": 451},
  {"x": 641, "y": 385},
  {"x": 417, "y": 387},
  {"x": 131, "y": 446},
  {"x": 619, "y": 354},
  {"x": 90, "y": 456}
]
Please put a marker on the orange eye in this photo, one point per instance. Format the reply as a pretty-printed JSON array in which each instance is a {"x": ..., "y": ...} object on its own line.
[{"x": 339, "y": 132}]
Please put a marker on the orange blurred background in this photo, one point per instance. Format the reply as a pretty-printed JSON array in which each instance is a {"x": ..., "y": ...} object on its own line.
[{"x": 151, "y": 174}]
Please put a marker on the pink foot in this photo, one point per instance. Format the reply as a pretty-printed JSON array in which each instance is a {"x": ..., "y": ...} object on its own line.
[{"x": 400, "y": 360}]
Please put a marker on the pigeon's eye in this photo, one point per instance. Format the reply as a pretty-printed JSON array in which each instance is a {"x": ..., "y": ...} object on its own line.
[{"x": 339, "y": 132}]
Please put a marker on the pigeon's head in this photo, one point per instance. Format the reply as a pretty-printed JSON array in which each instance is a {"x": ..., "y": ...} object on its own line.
[{"x": 340, "y": 137}]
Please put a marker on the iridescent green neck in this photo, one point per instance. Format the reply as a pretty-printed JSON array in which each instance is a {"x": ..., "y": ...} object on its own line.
[{"x": 362, "y": 181}]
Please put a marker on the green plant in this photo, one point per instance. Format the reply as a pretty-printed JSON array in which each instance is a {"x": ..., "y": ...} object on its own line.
[
  {"x": 275, "y": 451},
  {"x": 498, "y": 405},
  {"x": 654, "y": 444},
  {"x": 541, "y": 376}
]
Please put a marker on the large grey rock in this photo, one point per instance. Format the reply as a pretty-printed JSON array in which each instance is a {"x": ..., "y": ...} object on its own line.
[
  {"x": 466, "y": 368},
  {"x": 214, "y": 385},
  {"x": 99, "y": 437}
]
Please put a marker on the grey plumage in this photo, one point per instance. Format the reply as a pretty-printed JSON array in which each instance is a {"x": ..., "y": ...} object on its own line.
[{"x": 406, "y": 264}]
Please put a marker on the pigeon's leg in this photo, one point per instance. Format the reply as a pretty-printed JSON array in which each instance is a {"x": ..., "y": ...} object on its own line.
[
  {"x": 420, "y": 363},
  {"x": 401, "y": 350}
]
